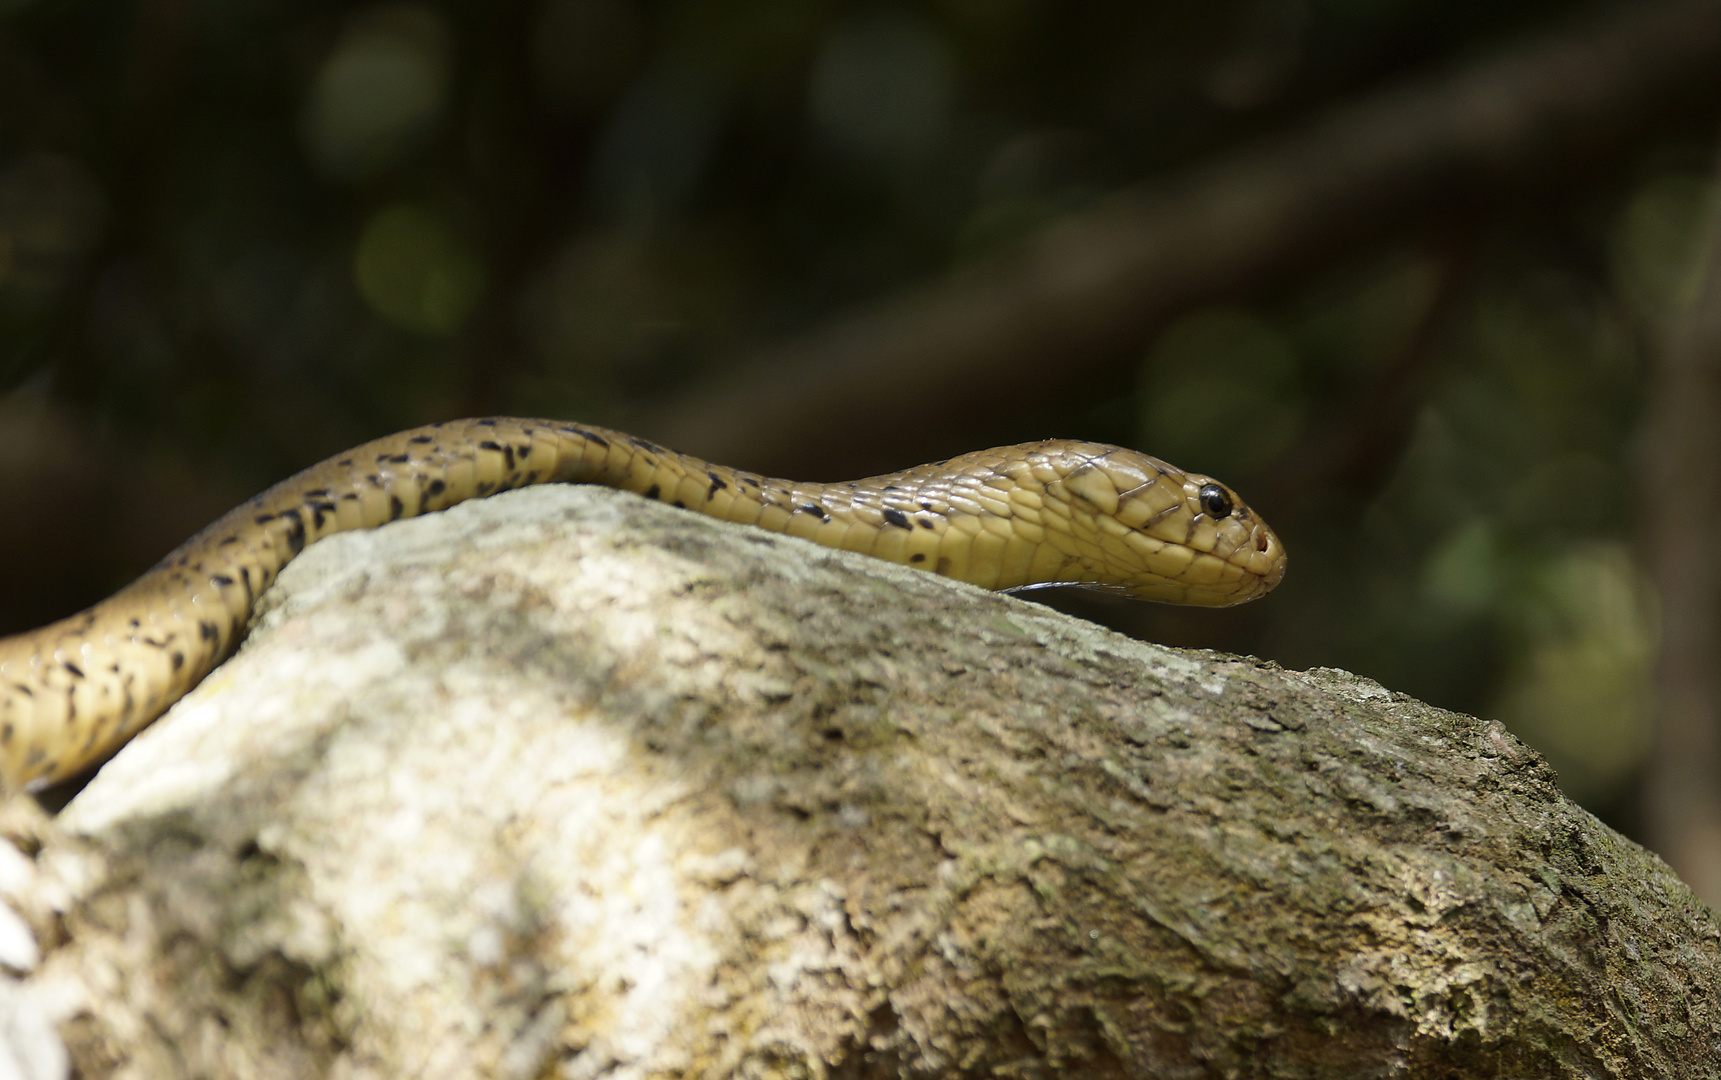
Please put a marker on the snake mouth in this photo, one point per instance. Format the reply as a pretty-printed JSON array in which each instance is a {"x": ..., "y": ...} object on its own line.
[
  {"x": 1263, "y": 559},
  {"x": 1248, "y": 572}
]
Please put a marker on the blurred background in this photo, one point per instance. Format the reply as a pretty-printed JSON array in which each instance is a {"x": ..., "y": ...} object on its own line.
[{"x": 1424, "y": 281}]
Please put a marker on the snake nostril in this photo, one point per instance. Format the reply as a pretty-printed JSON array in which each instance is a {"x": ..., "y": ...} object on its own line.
[{"x": 1261, "y": 541}]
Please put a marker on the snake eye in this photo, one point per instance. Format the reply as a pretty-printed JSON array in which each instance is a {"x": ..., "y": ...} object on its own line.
[{"x": 1214, "y": 502}]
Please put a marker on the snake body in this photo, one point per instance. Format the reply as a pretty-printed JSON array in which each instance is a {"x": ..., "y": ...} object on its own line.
[{"x": 1058, "y": 511}]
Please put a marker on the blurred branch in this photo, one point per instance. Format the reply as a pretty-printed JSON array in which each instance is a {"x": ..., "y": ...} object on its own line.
[
  {"x": 1066, "y": 314},
  {"x": 1683, "y": 520}
]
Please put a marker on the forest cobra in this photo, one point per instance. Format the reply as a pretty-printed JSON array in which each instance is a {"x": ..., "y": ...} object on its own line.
[{"x": 1015, "y": 517}]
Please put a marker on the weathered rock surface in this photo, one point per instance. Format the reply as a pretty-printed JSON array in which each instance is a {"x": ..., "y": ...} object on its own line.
[{"x": 567, "y": 784}]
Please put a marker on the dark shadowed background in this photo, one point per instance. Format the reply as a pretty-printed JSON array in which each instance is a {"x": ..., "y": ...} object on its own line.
[{"x": 1407, "y": 274}]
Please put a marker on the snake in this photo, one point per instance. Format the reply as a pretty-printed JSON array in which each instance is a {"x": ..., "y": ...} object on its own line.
[{"x": 1010, "y": 518}]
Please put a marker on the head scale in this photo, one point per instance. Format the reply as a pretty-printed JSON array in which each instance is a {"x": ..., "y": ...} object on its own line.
[{"x": 1159, "y": 533}]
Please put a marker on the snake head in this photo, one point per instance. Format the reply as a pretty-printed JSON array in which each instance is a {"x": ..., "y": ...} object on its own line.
[{"x": 1152, "y": 531}]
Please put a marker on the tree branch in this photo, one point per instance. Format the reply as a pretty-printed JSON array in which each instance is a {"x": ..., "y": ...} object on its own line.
[
  {"x": 946, "y": 366},
  {"x": 1683, "y": 452}
]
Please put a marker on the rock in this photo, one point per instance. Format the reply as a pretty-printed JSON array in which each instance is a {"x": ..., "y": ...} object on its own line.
[{"x": 565, "y": 783}]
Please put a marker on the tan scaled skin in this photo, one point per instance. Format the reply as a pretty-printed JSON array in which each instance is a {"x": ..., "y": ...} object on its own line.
[{"x": 1040, "y": 513}]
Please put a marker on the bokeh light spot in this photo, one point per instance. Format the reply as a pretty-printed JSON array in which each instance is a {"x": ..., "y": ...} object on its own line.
[
  {"x": 379, "y": 92},
  {"x": 413, "y": 271}
]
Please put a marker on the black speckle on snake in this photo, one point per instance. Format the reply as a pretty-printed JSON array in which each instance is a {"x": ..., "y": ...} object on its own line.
[{"x": 1015, "y": 517}]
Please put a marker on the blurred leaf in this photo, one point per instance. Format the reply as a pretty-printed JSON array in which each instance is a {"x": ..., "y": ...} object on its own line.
[
  {"x": 1579, "y": 689},
  {"x": 1462, "y": 574},
  {"x": 1656, "y": 243}
]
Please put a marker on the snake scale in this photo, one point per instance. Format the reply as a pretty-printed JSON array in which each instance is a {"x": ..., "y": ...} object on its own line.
[{"x": 1040, "y": 513}]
